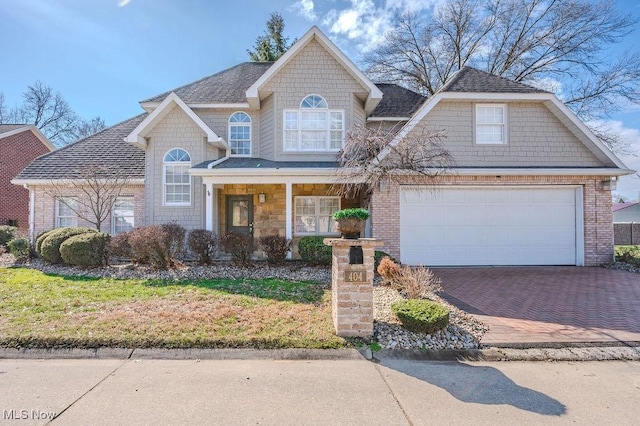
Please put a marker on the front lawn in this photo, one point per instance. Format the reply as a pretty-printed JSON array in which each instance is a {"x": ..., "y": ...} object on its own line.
[{"x": 44, "y": 310}]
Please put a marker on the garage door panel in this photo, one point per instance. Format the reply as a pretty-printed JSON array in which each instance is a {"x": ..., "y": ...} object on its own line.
[{"x": 489, "y": 226}]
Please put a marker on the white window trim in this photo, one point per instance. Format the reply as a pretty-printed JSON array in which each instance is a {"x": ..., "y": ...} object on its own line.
[
  {"x": 317, "y": 197},
  {"x": 129, "y": 199},
  {"x": 164, "y": 179},
  {"x": 505, "y": 123},
  {"x": 250, "y": 124},
  {"x": 57, "y": 213},
  {"x": 298, "y": 113}
]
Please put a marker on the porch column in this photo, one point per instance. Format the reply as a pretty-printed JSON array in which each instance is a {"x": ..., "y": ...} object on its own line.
[
  {"x": 288, "y": 213},
  {"x": 208, "y": 209}
]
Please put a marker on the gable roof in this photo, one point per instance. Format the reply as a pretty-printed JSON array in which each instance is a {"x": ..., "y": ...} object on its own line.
[
  {"x": 397, "y": 102},
  {"x": 314, "y": 33},
  {"x": 7, "y": 130},
  {"x": 226, "y": 86},
  {"x": 471, "y": 80},
  {"x": 106, "y": 148},
  {"x": 622, "y": 206}
]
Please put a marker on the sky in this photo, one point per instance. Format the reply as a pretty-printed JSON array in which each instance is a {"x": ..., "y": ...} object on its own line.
[{"x": 105, "y": 56}]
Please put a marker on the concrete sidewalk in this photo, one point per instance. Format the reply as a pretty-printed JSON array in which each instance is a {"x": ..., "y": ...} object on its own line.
[{"x": 337, "y": 392}]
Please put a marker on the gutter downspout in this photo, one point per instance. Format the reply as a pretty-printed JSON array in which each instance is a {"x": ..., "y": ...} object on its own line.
[{"x": 32, "y": 212}]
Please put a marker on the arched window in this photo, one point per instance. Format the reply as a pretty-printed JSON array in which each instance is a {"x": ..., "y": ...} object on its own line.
[
  {"x": 177, "y": 182},
  {"x": 313, "y": 127},
  {"x": 240, "y": 134}
]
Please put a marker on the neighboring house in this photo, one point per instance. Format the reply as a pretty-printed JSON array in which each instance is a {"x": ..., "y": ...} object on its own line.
[
  {"x": 253, "y": 149},
  {"x": 20, "y": 144},
  {"x": 626, "y": 212}
]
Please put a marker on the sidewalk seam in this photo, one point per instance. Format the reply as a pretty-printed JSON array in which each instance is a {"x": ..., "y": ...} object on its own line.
[{"x": 393, "y": 394}]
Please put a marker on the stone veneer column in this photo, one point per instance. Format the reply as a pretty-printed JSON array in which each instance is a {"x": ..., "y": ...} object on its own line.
[{"x": 352, "y": 287}]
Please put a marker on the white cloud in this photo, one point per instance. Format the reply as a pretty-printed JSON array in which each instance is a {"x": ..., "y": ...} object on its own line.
[
  {"x": 628, "y": 186},
  {"x": 305, "y": 8},
  {"x": 123, "y": 3}
]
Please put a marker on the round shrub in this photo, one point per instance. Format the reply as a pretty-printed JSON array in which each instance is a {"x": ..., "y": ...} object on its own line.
[
  {"x": 40, "y": 239},
  {"x": 6, "y": 234},
  {"x": 313, "y": 251},
  {"x": 20, "y": 248},
  {"x": 50, "y": 247},
  {"x": 86, "y": 250},
  {"x": 357, "y": 213},
  {"x": 119, "y": 245},
  {"x": 421, "y": 316},
  {"x": 203, "y": 244},
  {"x": 157, "y": 245},
  {"x": 240, "y": 246},
  {"x": 275, "y": 247}
]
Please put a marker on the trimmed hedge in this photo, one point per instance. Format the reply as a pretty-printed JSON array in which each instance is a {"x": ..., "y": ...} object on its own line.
[
  {"x": 421, "y": 316},
  {"x": 6, "y": 234},
  {"x": 275, "y": 247},
  {"x": 40, "y": 239},
  {"x": 203, "y": 244},
  {"x": 240, "y": 246},
  {"x": 50, "y": 247},
  {"x": 313, "y": 251},
  {"x": 88, "y": 250}
]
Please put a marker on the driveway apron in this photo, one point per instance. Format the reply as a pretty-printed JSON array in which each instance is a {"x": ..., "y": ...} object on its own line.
[{"x": 532, "y": 306}]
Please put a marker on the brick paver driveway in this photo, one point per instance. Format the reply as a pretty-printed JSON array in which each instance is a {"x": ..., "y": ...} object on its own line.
[{"x": 534, "y": 305}]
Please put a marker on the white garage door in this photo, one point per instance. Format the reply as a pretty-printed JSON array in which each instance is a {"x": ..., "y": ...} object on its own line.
[{"x": 490, "y": 226}]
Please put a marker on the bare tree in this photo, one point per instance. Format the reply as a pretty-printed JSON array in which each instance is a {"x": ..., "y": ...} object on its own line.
[
  {"x": 3, "y": 109},
  {"x": 373, "y": 155},
  {"x": 89, "y": 127},
  {"x": 94, "y": 191},
  {"x": 531, "y": 41}
]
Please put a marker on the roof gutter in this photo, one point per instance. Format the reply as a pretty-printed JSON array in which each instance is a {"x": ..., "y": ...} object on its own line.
[{"x": 36, "y": 182}]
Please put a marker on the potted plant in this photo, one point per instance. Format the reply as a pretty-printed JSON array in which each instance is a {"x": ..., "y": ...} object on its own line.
[{"x": 351, "y": 222}]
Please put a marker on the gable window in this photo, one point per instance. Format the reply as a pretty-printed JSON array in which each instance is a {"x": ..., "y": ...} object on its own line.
[
  {"x": 314, "y": 215},
  {"x": 240, "y": 134},
  {"x": 491, "y": 124},
  {"x": 65, "y": 214},
  {"x": 122, "y": 215},
  {"x": 313, "y": 127},
  {"x": 177, "y": 182}
]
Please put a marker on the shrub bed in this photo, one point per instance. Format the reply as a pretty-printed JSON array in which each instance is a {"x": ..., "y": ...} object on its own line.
[
  {"x": 88, "y": 250},
  {"x": 421, "y": 316},
  {"x": 50, "y": 245},
  {"x": 313, "y": 251}
]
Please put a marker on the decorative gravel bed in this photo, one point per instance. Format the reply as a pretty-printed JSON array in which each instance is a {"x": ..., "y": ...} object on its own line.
[
  {"x": 464, "y": 331},
  {"x": 623, "y": 267}
]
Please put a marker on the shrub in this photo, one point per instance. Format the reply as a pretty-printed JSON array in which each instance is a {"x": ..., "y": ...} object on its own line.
[
  {"x": 357, "y": 213},
  {"x": 313, "y": 251},
  {"x": 630, "y": 254},
  {"x": 39, "y": 239},
  {"x": 203, "y": 244},
  {"x": 388, "y": 270},
  {"x": 20, "y": 248},
  {"x": 240, "y": 246},
  {"x": 119, "y": 245},
  {"x": 157, "y": 245},
  {"x": 88, "y": 250},
  {"x": 6, "y": 234},
  {"x": 50, "y": 247},
  {"x": 378, "y": 256},
  {"x": 421, "y": 316},
  {"x": 275, "y": 247}
]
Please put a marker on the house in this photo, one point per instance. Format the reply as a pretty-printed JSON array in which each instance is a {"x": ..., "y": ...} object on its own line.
[
  {"x": 20, "y": 144},
  {"x": 626, "y": 212},
  {"x": 253, "y": 149}
]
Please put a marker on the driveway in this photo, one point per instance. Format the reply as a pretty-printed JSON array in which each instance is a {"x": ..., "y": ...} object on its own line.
[{"x": 530, "y": 306}]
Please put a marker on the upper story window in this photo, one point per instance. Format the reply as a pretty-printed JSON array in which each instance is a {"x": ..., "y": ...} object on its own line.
[
  {"x": 66, "y": 212},
  {"x": 240, "y": 134},
  {"x": 491, "y": 124},
  {"x": 177, "y": 182},
  {"x": 313, "y": 127}
]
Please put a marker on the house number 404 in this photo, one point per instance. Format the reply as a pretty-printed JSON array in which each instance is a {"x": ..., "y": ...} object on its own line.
[{"x": 354, "y": 276}]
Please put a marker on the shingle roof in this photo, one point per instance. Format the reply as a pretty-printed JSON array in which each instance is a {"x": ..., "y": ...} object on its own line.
[
  {"x": 472, "y": 80},
  {"x": 397, "y": 101},
  {"x": 106, "y": 148},
  {"x": 620, "y": 206},
  {"x": 261, "y": 163},
  {"x": 227, "y": 86},
  {"x": 5, "y": 128}
]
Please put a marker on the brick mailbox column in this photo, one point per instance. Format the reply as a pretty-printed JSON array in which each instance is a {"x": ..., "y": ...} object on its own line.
[{"x": 352, "y": 285}]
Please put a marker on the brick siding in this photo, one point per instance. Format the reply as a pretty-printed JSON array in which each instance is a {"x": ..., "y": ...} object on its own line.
[{"x": 16, "y": 152}]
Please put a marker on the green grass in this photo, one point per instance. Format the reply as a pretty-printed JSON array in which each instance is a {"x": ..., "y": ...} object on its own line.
[{"x": 40, "y": 310}]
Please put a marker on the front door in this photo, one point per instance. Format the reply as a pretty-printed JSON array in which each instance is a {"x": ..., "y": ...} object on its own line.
[{"x": 240, "y": 214}]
